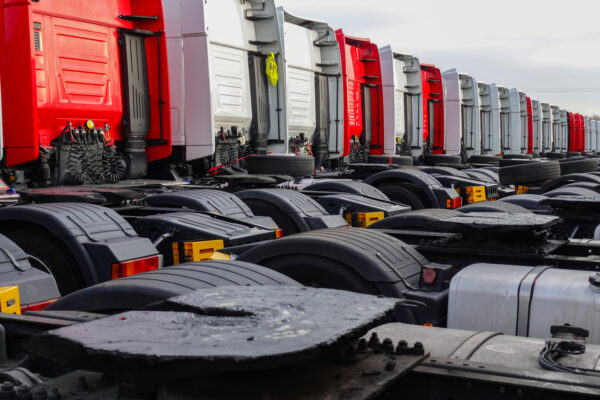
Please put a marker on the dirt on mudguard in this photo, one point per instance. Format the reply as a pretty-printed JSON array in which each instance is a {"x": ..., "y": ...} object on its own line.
[{"x": 217, "y": 330}]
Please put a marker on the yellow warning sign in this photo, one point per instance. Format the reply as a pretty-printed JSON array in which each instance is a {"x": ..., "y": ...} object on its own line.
[{"x": 272, "y": 70}]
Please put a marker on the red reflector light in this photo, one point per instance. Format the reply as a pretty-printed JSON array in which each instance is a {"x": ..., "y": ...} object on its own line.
[
  {"x": 132, "y": 267},
  {"x": 454, "y": 203},
  {"x": 36, "y": 306},
  {"x": 429, "y": 275}
]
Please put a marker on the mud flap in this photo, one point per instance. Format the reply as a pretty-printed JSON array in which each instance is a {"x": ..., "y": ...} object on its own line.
[{"x": 95, "y": 236}]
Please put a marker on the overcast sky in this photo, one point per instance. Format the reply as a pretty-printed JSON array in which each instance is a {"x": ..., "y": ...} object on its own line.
[{"x": 547, "y": 48}]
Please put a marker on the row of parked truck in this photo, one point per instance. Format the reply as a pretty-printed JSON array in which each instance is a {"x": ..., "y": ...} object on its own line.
[
  {"x": 180, "y": 174},
  {"x": 102, "y": 97}
]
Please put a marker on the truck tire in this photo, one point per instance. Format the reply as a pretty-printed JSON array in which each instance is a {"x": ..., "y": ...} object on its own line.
[
  {"x": 41, "y": 244},
  {"x": 392, "y": 160},
  {"x": 353, "y": 259},
  {"x": 505, "y": 162},
  {"x": 555, "y": 155},
  {"x": 517, "y": 157},
  {"x": 404, "y": 193},
  {"x": 277, "y": 164},
  {"x": 137, "y": 291},
  {"x": 481, "y": 159},
  {"x": 436, "y": 159},
  {"x": 570, "y": 166},
  {"x": 288, "y": 208},
  {"x": 532, "y": 172}
]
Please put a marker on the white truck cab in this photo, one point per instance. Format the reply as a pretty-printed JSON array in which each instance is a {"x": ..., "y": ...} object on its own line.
[
  {"x": 489, "y": 104},
  {"x": 547, "y": 128},
  {"x": 402, "y": 103},
  {"x": 556, "y": 120},
  {"x": 588, "y": 134},
  {"x": 524, "y": 123},
  {"x": 597, "y": 140},
  {"x": 564, "y": 132},
  {"x": 510, "y": 128},
  {"x": 462, "y": 127},
  {"x": 220, "y": 94},
  {"x": 314, "y": 96},
  {"x": 593, "y": 135},
  {"x": 536, "y": 111}
]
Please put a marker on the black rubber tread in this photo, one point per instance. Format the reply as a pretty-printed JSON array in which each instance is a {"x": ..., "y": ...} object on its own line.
[
  {"x": 482, "y": 159},
  {"x": 516, "y": 161},
  {"x": 537, "y": 171},
  {"x": 518, "y": 157},
  {"x": 347, "y": 186},
  {"x": 556, "y": 155},
  {"x": 435, "y": 159},
  {"x": 572, "y": 191},
  {"x": 404, "y": 193},
  {"x": 577, "y": 166},
  {"x": 494, "y": 206},
  {"x": 383, "y": 262},
  {"x": 392, "y": 160},
  {"x": 449, "y": 171},
  {"x": 138, "y": 291},
  {"x": 277, "y": 164},
  {"x": 573, "y": 154}
]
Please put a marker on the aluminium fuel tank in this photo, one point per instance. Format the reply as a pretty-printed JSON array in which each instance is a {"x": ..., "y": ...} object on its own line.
[{"x": 524, "y": 301}]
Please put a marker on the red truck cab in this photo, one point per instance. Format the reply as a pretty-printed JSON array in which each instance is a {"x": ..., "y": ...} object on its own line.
[
  {"x": 576, "y": 132},
  {"x": 363, "y": 95},
  {"x": 85, "y": 89},
  {"x": 433, "y": 108},
  {"x": 529, "y": 126}
]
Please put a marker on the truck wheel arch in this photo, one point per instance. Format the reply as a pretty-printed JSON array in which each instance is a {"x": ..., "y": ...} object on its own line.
[
  {"x": 93, "y": 235},
  {"x": 417, "y": 179},
  {"x": 366, "y": 261}
]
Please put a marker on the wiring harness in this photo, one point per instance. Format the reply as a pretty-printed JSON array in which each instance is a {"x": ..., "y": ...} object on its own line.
[{"x": 556, "y": 348}]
